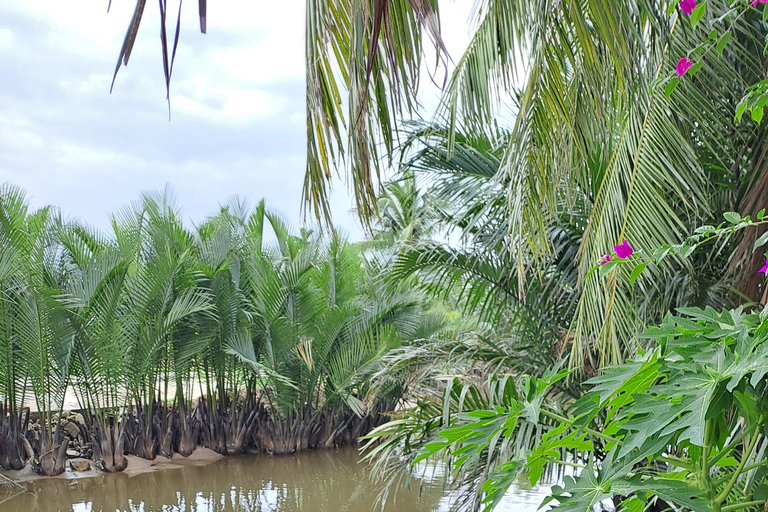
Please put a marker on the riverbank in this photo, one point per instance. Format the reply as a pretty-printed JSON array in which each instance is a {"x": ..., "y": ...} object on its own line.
[{"x": 136, "y": 466}]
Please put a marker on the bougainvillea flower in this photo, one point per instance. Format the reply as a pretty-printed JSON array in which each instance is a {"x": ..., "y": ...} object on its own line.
[
  {"x": 755, "y": 2},
  {"x": 683, "y": 65},
  {"x": 624, "y": 250},
  {"x": 604, "y": 258},
  {"x": 764, "y": 270},
  {"x": 688, "y": 6}
]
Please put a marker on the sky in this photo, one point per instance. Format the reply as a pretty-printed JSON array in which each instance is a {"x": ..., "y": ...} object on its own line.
[{"x": 237, "y": 106}]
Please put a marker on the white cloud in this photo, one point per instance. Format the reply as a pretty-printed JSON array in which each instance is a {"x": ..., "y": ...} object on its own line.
[{"x": 6, "y": 39}]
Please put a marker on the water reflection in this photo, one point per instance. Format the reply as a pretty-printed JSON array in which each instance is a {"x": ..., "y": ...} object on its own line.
[
  {"x": 320, "y": 481},
  {"x": 310, "y": 482}
]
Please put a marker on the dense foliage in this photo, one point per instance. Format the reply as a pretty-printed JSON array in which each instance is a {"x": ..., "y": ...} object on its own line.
[
  {"x": 623, "y": 136},
  {"x": 236, "y": 334},
  {"x": 608, "y": 145}
]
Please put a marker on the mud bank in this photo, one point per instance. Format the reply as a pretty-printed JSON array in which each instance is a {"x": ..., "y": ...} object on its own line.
[{"x": 136, "y": 466}]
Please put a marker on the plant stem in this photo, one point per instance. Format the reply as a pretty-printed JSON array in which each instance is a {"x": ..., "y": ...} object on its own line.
[
  {"x": 588, "y": 430},
  {"x": 727, "y": 449},
  {"x": 746, "y": 504},
  {"x": 564, "y": 463},
  {"x": 669, "y": 459},
  {"x": 750, "y": 467},
  {"x": 704, "y": 476},
  {"x": 723, "y": 495}
]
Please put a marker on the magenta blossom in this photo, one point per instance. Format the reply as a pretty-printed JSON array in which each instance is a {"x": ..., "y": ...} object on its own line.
[
  {"x": 764, "y": 270},
  {"x": 683, "y": 65},
  {"x": 624, "y": 250},
  {"x": 688, "y": 6},
  {"x": 604, "y": 258},
  {"x": 755, "y": 2}
]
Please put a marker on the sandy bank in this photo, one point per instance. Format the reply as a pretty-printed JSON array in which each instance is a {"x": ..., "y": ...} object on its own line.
[{"x": 136, "y": 466}]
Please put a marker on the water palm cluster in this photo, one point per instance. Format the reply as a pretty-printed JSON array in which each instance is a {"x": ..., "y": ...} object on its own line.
[{"x": 237, "y": 334}]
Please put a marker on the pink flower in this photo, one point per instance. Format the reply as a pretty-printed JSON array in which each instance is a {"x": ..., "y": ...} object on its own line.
[
  {"x": 604, "y": 258},
  {"x": 624, "y": 250},
  {"x": 683, "y": 65},
  {"x": 755, "y": 2},
  {"x": 764, "y": 270},
  {"x": 688, "y": 6}
]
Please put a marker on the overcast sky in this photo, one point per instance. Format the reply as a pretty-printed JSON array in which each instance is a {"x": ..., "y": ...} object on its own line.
[{"x": 237, "y": 100}]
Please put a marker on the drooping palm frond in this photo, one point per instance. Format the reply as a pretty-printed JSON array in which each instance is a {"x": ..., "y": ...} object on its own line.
[
  {"x": 590, "y": 139},
  {"x": 169, "y": 52},
  {"x": 651, "y": 188},
  {"x": 372, "y": 50},
  {"x": 362, "y": 56},
  {"x": 475, "y": 268}
]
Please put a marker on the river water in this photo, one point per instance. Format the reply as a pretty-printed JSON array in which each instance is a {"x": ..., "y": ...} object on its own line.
[{"x": 323, "y": 481}]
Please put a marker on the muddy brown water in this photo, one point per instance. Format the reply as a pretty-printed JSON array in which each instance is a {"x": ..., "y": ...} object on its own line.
[{"x": 309, "y": 482}]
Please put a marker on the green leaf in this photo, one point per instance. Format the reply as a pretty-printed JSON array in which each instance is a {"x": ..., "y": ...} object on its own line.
[
  {"x": 741, "y": 108},
  {"x": 704, "y": 230},
  {"x": 661, "y": 252},
  {"x": 671, "y": 86},
  {"x": 761, "y": 213},
  {"x": 620, "y": 379},
  {"x": 582, "y": 493},
  {"x": 671, "y": 491},
  {"x": 732, "y": 217},
  {"x": 761, "y": 491},
  {"x": 695, "y": 68},
  {"x": 757, "y": 114},
  {"x": 671, "y": 8},
  {"x": 686, "y": 250},
  {"x": 634, "y": 504},
  {"x": 636, "y": 272},
  {"x": 722, "y": 42},
  {"x": 698, "y": 13},
  {"x": 608, "y": 267},
  {"x": 760, "y": 241},
  {"x": 687, "y": 418},
  {"x": 499, "y": 481},
  {"x": 712, "y": 35},
  {"x": 596, "y": 267}
]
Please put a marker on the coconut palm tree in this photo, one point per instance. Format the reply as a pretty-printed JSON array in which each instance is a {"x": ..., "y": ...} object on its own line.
[
  {"x": 525, "y": 331},
  {"x": 405, "y": 215},
  {"x": 593, "y": 133},
  {"x": 646, "y": 174}
]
